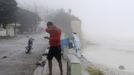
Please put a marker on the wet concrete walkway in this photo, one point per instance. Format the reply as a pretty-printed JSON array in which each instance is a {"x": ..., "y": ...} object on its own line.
[{"x": 16, "y": 61}]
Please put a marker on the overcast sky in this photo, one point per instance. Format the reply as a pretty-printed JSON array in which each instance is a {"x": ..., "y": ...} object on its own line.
[{"x": 100, "y": 18}]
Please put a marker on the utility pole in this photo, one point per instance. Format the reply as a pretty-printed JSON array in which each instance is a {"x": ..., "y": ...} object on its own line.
[
  {"x": 36, "y": 19},
  {"x": 15, "y": 32},
  {"x": 46, "y": 14}
]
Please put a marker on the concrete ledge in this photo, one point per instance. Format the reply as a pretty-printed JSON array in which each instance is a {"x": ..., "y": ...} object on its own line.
[
  {"x": 73, "y": 59},
  {"x": 73, "y": 65}
]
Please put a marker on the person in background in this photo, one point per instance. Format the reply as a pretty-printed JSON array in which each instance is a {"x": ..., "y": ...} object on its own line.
[
  {"x": 55, "y": 46},
  {"x": 77, "y": 45}
]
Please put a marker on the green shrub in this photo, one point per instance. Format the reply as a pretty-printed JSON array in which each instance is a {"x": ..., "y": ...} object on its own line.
[{"x": 94, "y": 71}]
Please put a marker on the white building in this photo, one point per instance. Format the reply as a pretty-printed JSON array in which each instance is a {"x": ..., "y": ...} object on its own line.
[
  {"x": 2, "y": 32},
  {"x": 9, "y": 31},
  {"x": 76, "y": 27}
]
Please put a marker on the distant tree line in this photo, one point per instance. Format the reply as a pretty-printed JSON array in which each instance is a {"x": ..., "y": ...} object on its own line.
[
  {"x": 10, "y": 13},
  {"x": 62, "y": 19},
  {"x": 7, "y": 12},
  {"x": 27, "y": 19}
]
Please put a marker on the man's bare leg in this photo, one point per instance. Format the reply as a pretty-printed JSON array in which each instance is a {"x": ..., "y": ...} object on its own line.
[
  {"x": 50, "y": 67},
  {"x": 60, "y": 67}
]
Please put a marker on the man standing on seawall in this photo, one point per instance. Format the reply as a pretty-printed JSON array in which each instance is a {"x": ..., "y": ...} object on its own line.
[{"x": 55, "y": 46}]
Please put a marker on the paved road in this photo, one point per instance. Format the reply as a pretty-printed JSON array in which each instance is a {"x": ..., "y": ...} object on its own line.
[{"x": 17, "y": 62}]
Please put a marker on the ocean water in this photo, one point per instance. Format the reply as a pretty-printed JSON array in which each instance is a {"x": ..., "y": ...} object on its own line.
[{"x": 112, "y": 53}]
